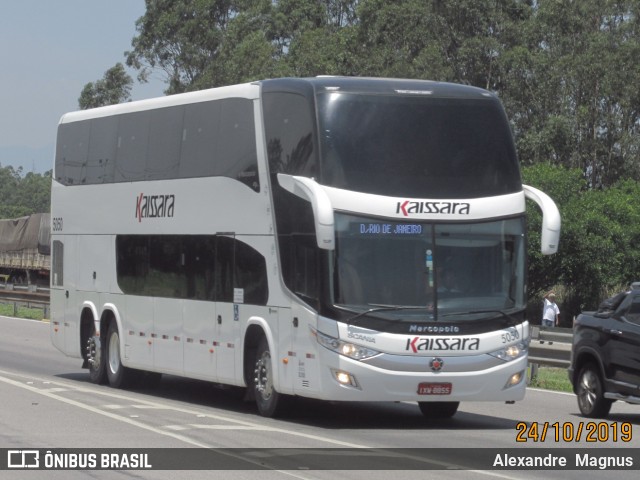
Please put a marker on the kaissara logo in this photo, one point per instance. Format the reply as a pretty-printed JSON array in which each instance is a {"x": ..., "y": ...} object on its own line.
[
  {"x": 154, "y": 206},
  {"x": 411, "y": 208},
  {"x": 425, "y": 344}
]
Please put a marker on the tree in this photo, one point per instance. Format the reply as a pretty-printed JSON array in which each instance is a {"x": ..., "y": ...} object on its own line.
[
  {"x": 20, "y": 196},
  {"x": 598, "y": 251},
  {"x": 563, "y": 186},
  {"x": 183, "y": 39},
  {"x": 571, "y": 88},
  {"x": 113, "y": 88}
]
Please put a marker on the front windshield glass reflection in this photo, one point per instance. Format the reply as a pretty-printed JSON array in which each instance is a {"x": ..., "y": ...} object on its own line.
[
  {"x": 416, "y": 146},
  {"x": 445, "y": 268}
]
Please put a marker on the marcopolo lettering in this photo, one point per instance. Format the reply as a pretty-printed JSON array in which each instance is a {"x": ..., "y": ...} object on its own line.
[
  {"x": 433, "y": 329},
  {"x": 425, "y": 344},
  {"x": 154, "y": 206},
  {"x": 454, "y": 208}
]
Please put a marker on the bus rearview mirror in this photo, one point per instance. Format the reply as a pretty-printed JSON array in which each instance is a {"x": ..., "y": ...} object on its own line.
[
  {"x": 550, "y": 219},
  {"x": 309, "y": 190}
]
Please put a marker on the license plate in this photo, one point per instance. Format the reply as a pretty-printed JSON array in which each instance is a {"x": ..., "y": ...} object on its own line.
[{"x": 434, "y": 389}]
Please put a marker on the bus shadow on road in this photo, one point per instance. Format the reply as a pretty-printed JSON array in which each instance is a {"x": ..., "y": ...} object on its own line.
[
  {"x": 331, "y": 415},
  {"x": 387, "y": 415}
]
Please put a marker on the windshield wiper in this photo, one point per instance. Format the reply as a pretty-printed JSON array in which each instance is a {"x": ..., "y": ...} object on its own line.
[
  {"x": 386, "y": 308},
  {"x": 512, "y": 321}
]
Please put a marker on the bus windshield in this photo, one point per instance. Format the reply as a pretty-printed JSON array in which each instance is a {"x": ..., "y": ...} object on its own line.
[
  {"x": 451, "y": 270},
  {"x": 416, "y": 146}
]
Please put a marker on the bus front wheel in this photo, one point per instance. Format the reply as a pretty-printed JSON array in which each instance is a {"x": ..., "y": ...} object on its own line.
[{"x": 269, "y": 401}]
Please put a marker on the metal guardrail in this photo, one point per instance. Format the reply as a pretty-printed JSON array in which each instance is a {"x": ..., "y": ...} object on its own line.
[
  {"x": 16, "y": 304},
  {"x": 16, "y": 287},
  {"x": 551, "y": 346},
  {"x": 28, "y": 296}
]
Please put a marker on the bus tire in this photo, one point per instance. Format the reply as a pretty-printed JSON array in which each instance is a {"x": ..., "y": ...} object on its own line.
[
  {"x": 118, "y": 375},
  {"x": 96, "y": 360},
  {"x": 435, "y": 410},
  {"x": 270, "y": 403}
]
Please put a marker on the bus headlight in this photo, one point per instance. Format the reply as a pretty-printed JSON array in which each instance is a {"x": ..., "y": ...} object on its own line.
[
  {"x": 357, "y": 352},
  {"x": 512, "y": 352}
]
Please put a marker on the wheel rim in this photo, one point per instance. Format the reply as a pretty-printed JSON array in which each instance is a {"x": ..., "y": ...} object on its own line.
[
  {"x": 588, "y": 391},
  {"x": 264, "y": 378},
  {"x": 114, "y": 352},
  {"x": 94, "y": 353}
]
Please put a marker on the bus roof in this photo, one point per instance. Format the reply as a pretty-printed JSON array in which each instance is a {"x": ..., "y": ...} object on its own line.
[
  {"x": 377, "y": 86},
  {"x": 245, "y": 90},
  {"x": 300, "y": 85}
]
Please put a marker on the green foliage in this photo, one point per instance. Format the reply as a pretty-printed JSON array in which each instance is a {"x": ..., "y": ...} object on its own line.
[
  {"x": 115, "y": 87},
  {"x": 11, "y": 310},
  {"x": 182, "y": 39},
  {"x": 552, "y": 378},
  {"x": 598, "y": 242},
  {"x": 23, "y": 195},
  {"x": 562, "y": 186},
  {"x": 573, "y": 95}
]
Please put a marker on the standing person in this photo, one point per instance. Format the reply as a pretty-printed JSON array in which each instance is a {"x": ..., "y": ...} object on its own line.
[{"x": 550, "y": 312}]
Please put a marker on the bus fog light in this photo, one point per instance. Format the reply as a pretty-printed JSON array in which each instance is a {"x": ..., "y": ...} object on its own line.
[
  {"x": 345, "y": 378},
  {"x": 515, "y": 379}
]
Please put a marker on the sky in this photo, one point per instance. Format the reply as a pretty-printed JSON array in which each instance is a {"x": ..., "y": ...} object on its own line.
[{"x": 49, "y": 50}]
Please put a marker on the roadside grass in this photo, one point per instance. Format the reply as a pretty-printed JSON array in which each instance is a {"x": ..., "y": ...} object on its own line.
[
  {"x": 8, "y": 310},
  {"x": 552, "y": 378}
]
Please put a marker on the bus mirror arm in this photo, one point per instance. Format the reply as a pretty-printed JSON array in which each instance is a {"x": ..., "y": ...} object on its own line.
[
  {"x": 550, "y": 219},
  {"x": 308, "y": 189}
]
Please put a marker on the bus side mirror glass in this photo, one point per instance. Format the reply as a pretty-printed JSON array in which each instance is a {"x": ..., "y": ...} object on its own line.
[
  {"x": 550, "y": 219},
  {"x": 308, "y": 189}
]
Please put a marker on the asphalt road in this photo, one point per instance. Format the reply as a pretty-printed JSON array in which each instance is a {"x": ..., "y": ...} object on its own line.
[{"x": 47, "y": 401}]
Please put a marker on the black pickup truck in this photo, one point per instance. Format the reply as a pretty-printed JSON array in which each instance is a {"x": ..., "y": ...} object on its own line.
[{"x": 605, "y": 355}]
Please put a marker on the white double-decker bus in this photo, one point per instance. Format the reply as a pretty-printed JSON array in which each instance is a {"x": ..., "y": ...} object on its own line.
[{"x": 345, "y": 239}]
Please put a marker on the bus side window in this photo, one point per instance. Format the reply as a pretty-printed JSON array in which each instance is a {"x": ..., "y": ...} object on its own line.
[
  {"x": 57, "y": 264},
  {"x": 251, "y": 274},
  {"x": 224, "y": 269}
]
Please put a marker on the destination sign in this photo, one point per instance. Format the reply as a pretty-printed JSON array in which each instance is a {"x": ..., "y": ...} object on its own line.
[{"x": 387, "y": 228}]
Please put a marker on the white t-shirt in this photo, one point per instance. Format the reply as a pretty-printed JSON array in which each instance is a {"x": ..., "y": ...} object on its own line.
[{"x": 550, "y": 311}]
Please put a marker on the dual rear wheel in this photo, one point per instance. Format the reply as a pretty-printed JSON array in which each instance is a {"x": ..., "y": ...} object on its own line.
[{"x": 105, "y": 363}]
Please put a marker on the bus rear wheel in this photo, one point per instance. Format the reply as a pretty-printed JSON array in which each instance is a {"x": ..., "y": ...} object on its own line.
[
  {"x": 270, "y": 403},
  {"x": 435, "y": 410},
  {"x": 118, "y": 375},
  {"x": 96, "y": 360}
]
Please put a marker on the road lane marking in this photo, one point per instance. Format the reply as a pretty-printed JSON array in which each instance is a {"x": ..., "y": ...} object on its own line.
[
  {"x": 135, "y": 423},
  {"x": 247, "y": 425},
  {"x": 150, "y": 404}
]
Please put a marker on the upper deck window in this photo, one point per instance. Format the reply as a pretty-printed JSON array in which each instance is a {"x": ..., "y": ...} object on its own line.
[
  {"x": 416, "y": 146},
  {"x": 205, "y": 139}
]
